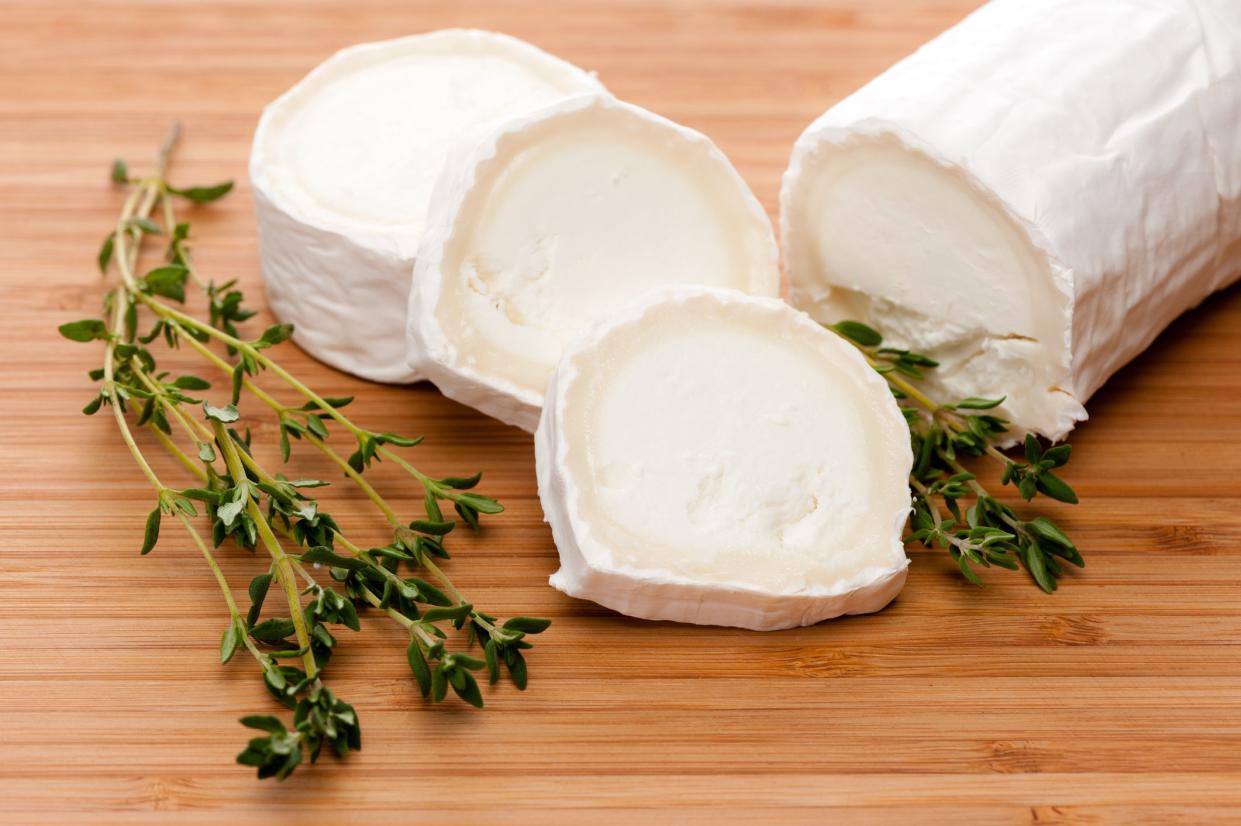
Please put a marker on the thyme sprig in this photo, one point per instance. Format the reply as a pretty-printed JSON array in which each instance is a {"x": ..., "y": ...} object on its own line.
[
  {"x": 985, "y": 531},
  {"x": 244, "y": 501}
]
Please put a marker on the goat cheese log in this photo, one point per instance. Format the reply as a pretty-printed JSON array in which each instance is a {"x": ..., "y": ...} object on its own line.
[
  {"x": 343, "y": 165},
  {"x": 556, "y": 219},
  {"x": 712, "y": 457},
  {"x": 1031, "y": 197}
]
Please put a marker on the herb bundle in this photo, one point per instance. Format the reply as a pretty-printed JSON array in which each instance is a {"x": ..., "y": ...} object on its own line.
[
  {"x": 986, "y": 532},
  {"x": 256, "y": 507}
]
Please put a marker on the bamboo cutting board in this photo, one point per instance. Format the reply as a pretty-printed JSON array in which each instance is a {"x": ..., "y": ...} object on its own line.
[{"x": 1117, "y": 700}]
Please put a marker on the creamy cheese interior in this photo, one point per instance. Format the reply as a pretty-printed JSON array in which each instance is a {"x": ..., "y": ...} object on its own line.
[
  {"x": 577, "y": 214},
  {"x": 882, "y": 234},
  {"x": 361, "y": 141},
  {"x": 723, "y": 444}
]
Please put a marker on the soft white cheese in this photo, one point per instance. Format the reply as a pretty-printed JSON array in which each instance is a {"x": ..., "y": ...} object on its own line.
[
  {"x": 343, "y": 165},
  {"x": 1031, "y": 197},
  {"x": 556, "y": 219},
  {"x": 710, "y": 457}
]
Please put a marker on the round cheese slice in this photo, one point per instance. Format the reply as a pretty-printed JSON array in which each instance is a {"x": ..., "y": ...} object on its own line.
[
  {"x": 555, "y": 220},
  {"x": 1031, "y": 197},
  {"x": 710, "y": 457},
  {"x": 343, "y": 165}
]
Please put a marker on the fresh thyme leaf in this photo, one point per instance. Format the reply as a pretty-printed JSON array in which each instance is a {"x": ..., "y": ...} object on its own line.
[
  {"x": 105, "y": 252},
  {"x": 151, "y": 535},
  {"x": 858, "y": 333},
  {"x": 226, "y": 414},
  {"x": 120, "y": 172},
  {"x": 203, "y": 194},
  {"x": 88, "y": 329},
  {"x": 167, "y": 281},
  {"x": 975, "y": 403}
]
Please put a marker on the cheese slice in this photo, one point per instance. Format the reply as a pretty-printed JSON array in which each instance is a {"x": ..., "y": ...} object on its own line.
[
  {"x": 343, "y": 165},
  {"x": 1031, "y": 197},
  {"x": 556, "y": 219},
  {"x": 710, "y": 457}
]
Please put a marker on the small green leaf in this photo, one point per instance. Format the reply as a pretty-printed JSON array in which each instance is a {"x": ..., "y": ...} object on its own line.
[
  {"x": 1034, "y": 451},
  {"x": 203, "y": 194},
  {"x": 191, "y": 383},
  {"x": 1058, "y": 455},
  {"x": 418, "y": 665},
  {"x": 229, "y": 642},
  {"x": 92, "y": 406},
  {"x": 206, "y": 452},
  {"x": 468, "y": 689},
  {"x": 493, "y": 665},
  {"x": 273, "y": 631},
  {"x": 1046, "y": 530},
  {"x": 105, "y": 252},
  {"x": 462, "y": 482},
  {"x": 1036, "y": 564},
  {"x": 226, "y": 414},
  {"x": 325, "y": 556},
  {"x": 457, "y": 612},
  {"x": 478, "y": 502},
  {"x": 151, "y": 534},
  {"x": 120, "y": 172},
  {"x": 439, "y": 685},
  {"x": 399, "y": 441},
  {"x": 146, "y": 225},
  {"x": 1055, "y": 487},
  {"x": 528, "y": 625},
  {"x": 433, "y": 527},
  {"x": 975, "y": 403},
  {"x": 258, "y": 594},
  {"x": 88, "y": 329},
  {"x": 167, "y": 281},
  {"x": 276, "y": 334},
  {"x": 517, "y": 670},
  {"x": 858, "y": 332}
]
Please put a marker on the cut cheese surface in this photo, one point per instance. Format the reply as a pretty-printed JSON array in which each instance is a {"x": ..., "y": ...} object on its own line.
[
  {"x": 716, "y": 458},
  {"x": 563, "y": 216},
  {"x": 1031, "y": 197},
  {"x": 343, "y": 166}
]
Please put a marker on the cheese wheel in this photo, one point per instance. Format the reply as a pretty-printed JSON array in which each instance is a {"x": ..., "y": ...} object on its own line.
[
  {"x": 712, "y": 457},
  {"x": 1031, "y": 197},
  {"x": 343, "y": 165},
  {"x": 556, "y": 219}
]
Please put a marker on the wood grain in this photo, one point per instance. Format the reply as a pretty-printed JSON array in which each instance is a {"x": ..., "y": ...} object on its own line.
[{"x": 1118, "y": 700}]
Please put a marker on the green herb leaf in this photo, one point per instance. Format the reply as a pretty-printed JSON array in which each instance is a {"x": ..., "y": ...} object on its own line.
[
  {"x": 203, "y": 194},
  {"x": 229, "y": 643},
  {"x": 167, "y": 281},
  {"x": 151, "y": 534},
  {"x": 975, "y": 403},
  {"x": 528, "y": 625},
  {"x": 88, "y": 329},
  {"x": 859, "y": 333},
  {"x": 105, "y": 252},
  {"x": 120, "y": 172},
  {"x": 226, "y": 414}
]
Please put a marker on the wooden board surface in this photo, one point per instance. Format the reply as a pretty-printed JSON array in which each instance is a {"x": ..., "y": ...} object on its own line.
[{"x": 1116, "y": 700}]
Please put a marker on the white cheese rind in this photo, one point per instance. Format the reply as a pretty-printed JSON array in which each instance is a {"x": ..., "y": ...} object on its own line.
[
  {"x": 714, "y": 458},
  {"x": 554, "y": 220},
  {"x": 343, "y": 165},
  {"x": 1048, "y": 169}
]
